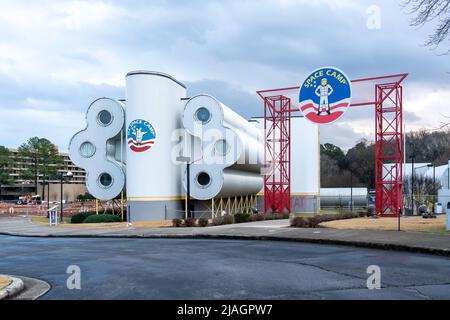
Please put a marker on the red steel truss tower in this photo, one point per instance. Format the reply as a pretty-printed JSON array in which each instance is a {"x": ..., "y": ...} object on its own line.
[
  {"x": 389, "y": 149},
  {"x": 277, "y": 154}
]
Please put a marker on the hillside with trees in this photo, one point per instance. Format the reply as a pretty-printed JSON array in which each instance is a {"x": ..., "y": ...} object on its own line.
[{"x": 337, "y": 165}]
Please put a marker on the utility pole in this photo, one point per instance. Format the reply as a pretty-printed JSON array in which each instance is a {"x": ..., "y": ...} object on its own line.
[
  {"x": 351, "y": 190},
  {"x": 187, "y": 160},
  {"x": 188, "y": 189},
  {"x": 434, "y": 188},
  {"x": 434, "y": 183},
  {"x": 412, "y": 184}
]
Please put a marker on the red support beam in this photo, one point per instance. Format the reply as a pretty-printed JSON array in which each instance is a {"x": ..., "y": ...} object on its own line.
[
  {"x": 388, "y": 149},
  {"x": 277, "y": 129}
]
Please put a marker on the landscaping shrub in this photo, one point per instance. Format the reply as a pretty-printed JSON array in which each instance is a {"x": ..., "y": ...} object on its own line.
[
  {"x": 299, "y": 222},
  {"x": 257, "y": 217},
  {"x": 226, "y": 219},
  {"x": 276, "y": 216},
  {"x": 242, "y": 217},
  {"x": 177, "y": 223},
  {"x": 80, "y": 217},
  {"x": 202, "y": 222},
  {"x": 260, "y": 217},
  {"x": 102, "y": 218},
  {"x": 313, "y": 222},
  {"x": 190, "y": 222}
]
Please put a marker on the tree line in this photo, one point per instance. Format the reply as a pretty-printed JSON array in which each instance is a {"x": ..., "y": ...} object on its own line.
[
  {"x": 338, "y": 166},
  {"x": 38, "y": 156}
]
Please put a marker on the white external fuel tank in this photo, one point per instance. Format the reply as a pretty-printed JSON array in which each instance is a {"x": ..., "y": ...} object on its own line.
[
  {"x": 154, "y": 109},
  {"x": 305, "y": 157},
  {"x": 232, "y": 150},
  {"x": 305, "y": 166}
]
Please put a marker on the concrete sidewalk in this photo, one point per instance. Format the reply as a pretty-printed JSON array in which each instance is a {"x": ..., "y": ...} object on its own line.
[{"x": 277, "y": 230}]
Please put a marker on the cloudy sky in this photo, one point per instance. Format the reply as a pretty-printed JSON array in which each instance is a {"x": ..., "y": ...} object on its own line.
[{"x": 58, "y": 56}]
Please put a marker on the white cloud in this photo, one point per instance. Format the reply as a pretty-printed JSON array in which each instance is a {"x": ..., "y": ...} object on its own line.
[
  {"x": 430, "y": 103},
  {"x": 54, "y": 125}
]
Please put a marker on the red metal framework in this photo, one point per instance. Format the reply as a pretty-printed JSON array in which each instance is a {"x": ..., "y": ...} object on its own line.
[
  {"x": 277, "y": 155},
  {"x": 388, "y": 102},
  {"x": 389, "y": 149}
]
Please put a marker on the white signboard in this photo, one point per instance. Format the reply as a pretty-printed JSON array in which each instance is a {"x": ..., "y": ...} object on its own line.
[{"x": 53, "y": 217}]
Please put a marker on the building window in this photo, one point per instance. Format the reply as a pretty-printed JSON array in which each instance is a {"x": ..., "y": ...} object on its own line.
[
  {"x": 203, "y": 115},
  {"x": 105, "y": 180},
  {"x": 203, "y": 179},
  {"x": 87, "y": 150},
  {"x": 222, "y": 147},
  {"x": 104, "y": 118}
]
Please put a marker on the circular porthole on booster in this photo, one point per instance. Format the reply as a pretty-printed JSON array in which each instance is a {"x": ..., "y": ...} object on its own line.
[
  {"x": 104, "y": 118},
  {"x": 203, "y": 115},
  {"x": 203, "y": 179},
  {"x": 105, "y": 180},
  {"x": 221, "y": 147},
  {"x": 87, "y": 149}
]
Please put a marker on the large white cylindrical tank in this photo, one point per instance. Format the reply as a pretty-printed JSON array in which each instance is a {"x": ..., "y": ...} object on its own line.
[
  {"x": 232, "y": 150},
  {"x": 305, "y": 157},
  {"x": 154, "y": 108}
]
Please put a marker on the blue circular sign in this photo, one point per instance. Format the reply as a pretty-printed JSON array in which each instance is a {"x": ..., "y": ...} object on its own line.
[
  {"x": 325, "y": 95},
  {"x": 141, "y": 135}
]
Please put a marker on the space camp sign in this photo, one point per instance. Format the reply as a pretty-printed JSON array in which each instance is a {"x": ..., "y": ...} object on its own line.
[
  {"x": 325, "y": 95},
  {"x": 141, "y": 135}
]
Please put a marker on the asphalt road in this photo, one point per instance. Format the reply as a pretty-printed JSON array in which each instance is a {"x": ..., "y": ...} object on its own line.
[{"x": 221, "y": 269}]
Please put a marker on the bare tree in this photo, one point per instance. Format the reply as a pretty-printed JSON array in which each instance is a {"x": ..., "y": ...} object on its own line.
[
  {"x": 424, "y": 190},
  {"x": 443, "y": 124},
  {"x": 426, "y": 11}
]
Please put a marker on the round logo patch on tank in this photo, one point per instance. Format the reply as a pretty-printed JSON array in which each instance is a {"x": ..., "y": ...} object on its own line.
[
  {"x": 325, "y": 95},
  {"x": 141, "y": 135}
]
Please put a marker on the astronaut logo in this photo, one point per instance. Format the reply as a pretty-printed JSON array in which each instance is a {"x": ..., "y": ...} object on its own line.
[
  {"x": 141, "y": 135},
  {"x": 325, "y": 95}
]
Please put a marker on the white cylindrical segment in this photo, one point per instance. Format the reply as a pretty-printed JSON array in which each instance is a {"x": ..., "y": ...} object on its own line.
[
  {"x": 232, "y": 150},
  {"x": 154, "y": 108}
]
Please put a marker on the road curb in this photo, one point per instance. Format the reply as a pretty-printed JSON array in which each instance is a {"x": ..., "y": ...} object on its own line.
[
  {"x": 352, "y": 243},
  {"x": 13, "y": 289}
]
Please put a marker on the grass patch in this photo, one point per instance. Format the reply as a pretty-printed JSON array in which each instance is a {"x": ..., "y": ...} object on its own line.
[
  {"x": 323, "y": 212},
  {"x": 4, "y": 282},
  {"x": 46, "y": 220},
  {"x": 137, "y": 225},
  {"x": 411, "y": 224}
]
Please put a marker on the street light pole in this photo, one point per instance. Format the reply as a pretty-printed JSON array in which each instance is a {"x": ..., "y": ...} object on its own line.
[
  {"x": 412, "y": 184},
  {"x": 434, "y": 188},
  {"x": 434, "y": 182},
  {"x": 187, "y": 160},
  {"x": 68, "y": 174},
  {"x": 188, "y": 188},
  {"x": 48, "y": 195},
  {"x": 351, "y": 190}
]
